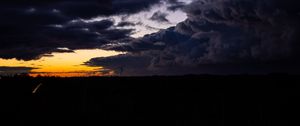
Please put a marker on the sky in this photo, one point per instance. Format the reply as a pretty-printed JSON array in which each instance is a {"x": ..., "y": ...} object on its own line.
[{"x": 149, "y": 37}]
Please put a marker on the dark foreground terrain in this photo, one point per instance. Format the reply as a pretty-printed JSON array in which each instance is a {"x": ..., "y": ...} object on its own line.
[{"x": 151, "y": 101}]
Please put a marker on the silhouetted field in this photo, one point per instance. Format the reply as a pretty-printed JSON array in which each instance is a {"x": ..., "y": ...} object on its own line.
[{"x": 178, "y": 101}]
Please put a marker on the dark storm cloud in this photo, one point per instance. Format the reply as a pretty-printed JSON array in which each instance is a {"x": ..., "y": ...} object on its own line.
[
  {"x": 175, "y": 5},
  {"x": 160, "y": 17},
  {"x": 132, "y": 6},
  {"x": 242, "y": 35},
  {"x": 92, "y": 8},
  {"x": 29, "y": 42},
  {"x": 125, "y": 23},
  {"x": 84, "y": 9},
  {"x": 32, "y": 28},
  {"x": 243, "y": 31},
  {"x": 76, "y": 35},
  {"x": 131, "y": 64},
  {"x": 14, "y": 70}
]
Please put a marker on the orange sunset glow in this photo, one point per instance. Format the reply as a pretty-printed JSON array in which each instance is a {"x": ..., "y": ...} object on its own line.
[{"x": 63, "y": 64}]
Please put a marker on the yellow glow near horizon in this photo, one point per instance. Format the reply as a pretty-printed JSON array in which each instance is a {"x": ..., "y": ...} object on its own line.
[{"x": 63, "y": 64}]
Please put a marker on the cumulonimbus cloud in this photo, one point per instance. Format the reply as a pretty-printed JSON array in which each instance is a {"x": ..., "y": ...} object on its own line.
[{"x": 219, "y": 32}]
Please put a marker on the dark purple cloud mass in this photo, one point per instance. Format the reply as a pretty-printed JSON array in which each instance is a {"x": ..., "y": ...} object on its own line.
[
  {"x": 221, "y": 36},
  {"x": 175, "y": 5},
  {"x": 32, "y": 28}
]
